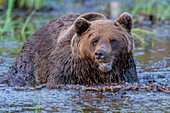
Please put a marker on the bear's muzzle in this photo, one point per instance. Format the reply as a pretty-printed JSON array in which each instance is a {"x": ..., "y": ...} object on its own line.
[{"x": 105, "y": 67}]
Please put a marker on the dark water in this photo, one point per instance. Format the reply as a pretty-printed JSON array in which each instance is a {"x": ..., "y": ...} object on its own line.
[{"x": 153, "y": 66}]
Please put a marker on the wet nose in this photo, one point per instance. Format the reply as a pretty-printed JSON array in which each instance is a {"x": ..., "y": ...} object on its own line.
[{"x": 100, "y": 54}]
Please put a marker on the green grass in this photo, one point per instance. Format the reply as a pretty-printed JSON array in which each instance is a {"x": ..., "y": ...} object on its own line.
[
  {"x": 140, "y": 34},
  {"x": 14, "y": 106},
  {"x": 80, "y": 110},
  {"x": 140, "y": 110},
  {"x": 8, "y": 26},
  {"x": 160, "y": 8},
  {"x": 25, "y": 25},
  {"x": 38, "y": 103},
  {"x": 31, "y": 4}
]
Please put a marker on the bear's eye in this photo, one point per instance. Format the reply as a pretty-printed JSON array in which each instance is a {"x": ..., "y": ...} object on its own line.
[
  {"x": 115, "y": 23},
  {"x": 112, "y": 41},
  {"x": 94, "y": 42}
]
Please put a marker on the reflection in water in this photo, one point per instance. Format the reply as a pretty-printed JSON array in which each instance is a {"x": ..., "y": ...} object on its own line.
[
  {"x": 8, "y": 52},
  {"x": 155, "y": 57}
]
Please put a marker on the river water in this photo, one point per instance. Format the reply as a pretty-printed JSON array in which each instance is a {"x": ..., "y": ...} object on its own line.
[{"x": 153, "y": 66}]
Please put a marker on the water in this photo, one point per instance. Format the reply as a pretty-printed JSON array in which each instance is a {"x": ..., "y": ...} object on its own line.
[
  {"x": 153, "y": 66},
  {"x": 73, "y": 101},
  {"x": 154, "y": 60}
]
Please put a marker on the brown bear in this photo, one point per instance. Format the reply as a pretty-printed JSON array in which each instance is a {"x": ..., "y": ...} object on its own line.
[{"x": 77, "y": 49}]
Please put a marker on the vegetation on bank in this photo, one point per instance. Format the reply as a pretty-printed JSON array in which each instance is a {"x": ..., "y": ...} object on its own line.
[
  {"x": 153, "y": 11},
  {"x": 16, "y": 28},
  {"x": 158, "y": 8}
]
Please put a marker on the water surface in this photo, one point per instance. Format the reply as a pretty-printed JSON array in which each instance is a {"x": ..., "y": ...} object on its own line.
[{"x": 153, "y": 66}]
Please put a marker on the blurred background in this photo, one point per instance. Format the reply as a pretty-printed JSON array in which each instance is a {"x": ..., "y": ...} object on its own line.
[{"x": 21, "y": 18}]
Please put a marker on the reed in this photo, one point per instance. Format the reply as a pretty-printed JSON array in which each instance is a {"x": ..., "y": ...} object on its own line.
[
  {"x": 160, "y": 8},
  {"x": 140, "y": 35},
  {"x": 8, "y": 26},
  {"x": 31, "y": 4},
  {"x": 25, "y": 24},
  {"x": 80, "y": 109},
  {"x": 38, "y": 103}
]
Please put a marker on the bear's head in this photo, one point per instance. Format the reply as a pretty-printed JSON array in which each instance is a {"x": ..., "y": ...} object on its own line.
[{"x": 104, "y": 42}]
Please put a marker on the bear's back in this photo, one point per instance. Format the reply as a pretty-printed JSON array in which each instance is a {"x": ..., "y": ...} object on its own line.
[{"x": 36, "y": 50}]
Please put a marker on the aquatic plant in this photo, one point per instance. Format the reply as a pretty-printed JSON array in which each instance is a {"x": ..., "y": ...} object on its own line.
[
  {"x": 8, "y": 26},
  {"x": 38, "y": 103},
  {"x": 2, "y": 3},
  {"x": 140, "y": 35},
  {"x": 155, "y": 10},
  {"x": 25, "y": 24},
  {"x": 140, "y": 110},
  {"x": 158, "y": 8},
  {"x": 124, "y": 103},
  {"x": 30, "y": 4},
  {"x": 13, "y": 106},
  {"x": 80, "y": 109}
]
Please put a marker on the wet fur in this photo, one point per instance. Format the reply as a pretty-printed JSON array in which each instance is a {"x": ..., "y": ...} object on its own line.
[{"x": 53, "y": 58}]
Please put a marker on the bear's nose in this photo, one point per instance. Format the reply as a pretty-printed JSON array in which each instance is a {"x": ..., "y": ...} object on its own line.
[{"x": 100, "y": 54}]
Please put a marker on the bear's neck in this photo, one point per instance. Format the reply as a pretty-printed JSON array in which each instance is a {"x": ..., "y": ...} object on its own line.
[
  {"x": 86, "y": 73},
  {"x": 125, "y": 70}
]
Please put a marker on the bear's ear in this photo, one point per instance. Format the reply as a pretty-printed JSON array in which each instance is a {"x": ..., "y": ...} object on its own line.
[
  {"x": 126, "y": 21},
  {"x": 81, "y": 25}
]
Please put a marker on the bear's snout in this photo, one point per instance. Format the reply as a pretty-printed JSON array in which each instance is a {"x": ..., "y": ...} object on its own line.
[
  {"x": 100, "y": 54},
  {"x": 105, "y": 65}
]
